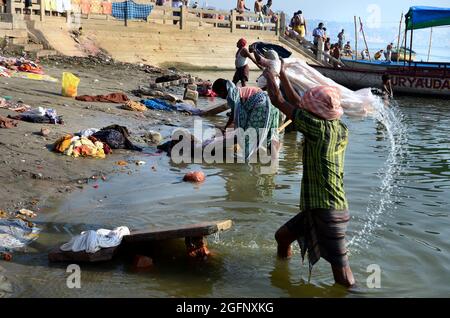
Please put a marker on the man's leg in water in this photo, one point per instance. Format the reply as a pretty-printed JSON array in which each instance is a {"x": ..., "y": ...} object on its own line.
[
  {"x": 343, "y": 275},
  {"x": 284, "y": 239}
]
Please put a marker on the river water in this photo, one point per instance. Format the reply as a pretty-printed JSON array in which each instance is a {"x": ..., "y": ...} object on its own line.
[{"x": 397, "y": 180}]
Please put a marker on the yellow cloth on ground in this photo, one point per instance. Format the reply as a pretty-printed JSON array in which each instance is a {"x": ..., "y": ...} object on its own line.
[
  {"x": 63, "y": 143},
  {"x": 134, "y": 106}
]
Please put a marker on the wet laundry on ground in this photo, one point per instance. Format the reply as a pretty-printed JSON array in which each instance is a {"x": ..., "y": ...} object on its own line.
[
  {"x": 75, "y": 146},
  {"x": 39, "y": 115},
  {"x": 117, "y": 137},
  {"x": 92, "y": 241},
  {"x": 118, "y": 98},
  {"x": 16, "y": 233},
  {"x": 158, "y": 104},
  {"x": 7, "y": 123},
  {"x": 134, "y": 106}
]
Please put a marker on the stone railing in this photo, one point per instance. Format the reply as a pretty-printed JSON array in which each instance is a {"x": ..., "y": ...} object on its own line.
[{"x": 184, "y": 17}]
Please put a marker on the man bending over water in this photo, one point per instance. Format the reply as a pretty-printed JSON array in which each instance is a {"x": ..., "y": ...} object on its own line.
[{"x": 321, "y": 225}]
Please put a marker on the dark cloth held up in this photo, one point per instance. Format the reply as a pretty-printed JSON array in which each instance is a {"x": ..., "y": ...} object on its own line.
[
  {"x": 262, "y": 47},
  {"x": 117, "y": 137},
  {"x": 117, "y": 98}
]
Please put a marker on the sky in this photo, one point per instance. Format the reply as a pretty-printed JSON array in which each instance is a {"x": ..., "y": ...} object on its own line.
[{"x": 384, "y": 11}]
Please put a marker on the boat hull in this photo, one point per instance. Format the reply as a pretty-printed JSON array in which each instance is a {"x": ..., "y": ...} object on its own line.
[{"x": 403, "y": 82}]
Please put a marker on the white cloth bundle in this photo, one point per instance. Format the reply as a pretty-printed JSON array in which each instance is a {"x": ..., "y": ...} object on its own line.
[
  {"x": 358, "y": 103},
  {"x": 92, "y": 241}
]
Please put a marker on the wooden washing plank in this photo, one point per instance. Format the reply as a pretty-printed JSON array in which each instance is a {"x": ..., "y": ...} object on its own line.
[
  {"x": 105, "y": 254},
  {"x": 214, "y": 110},
  {"x": 174, "y": 232}
]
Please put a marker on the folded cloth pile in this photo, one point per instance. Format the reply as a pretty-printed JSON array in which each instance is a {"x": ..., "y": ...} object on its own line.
[
  {"x": 93, "y": 241},
  {"x": 75, "y": 146}
]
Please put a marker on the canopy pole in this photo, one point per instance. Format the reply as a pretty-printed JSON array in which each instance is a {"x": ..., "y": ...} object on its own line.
[
  {"x": 411, "y": 46},
  {"x": 356, "y": 39},
  {"x": 429, "y": 46},
  {"x": 406, "y": 38},
  {"x": 364, "y": 37},
  {"x": 399, "y": 35}
]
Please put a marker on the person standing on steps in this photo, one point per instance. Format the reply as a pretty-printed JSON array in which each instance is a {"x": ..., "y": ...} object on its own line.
[{"x": 242, "y": 69}]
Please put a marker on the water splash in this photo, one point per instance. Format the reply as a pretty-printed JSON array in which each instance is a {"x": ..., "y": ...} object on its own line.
[{"x": 381, "y": 202}]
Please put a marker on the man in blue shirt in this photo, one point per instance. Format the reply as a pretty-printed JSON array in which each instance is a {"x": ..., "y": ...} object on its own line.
[{"x": 318, "y": 33}]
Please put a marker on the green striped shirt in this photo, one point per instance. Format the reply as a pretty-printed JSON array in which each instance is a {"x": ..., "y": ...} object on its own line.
[{"x": 323, "y": 161}]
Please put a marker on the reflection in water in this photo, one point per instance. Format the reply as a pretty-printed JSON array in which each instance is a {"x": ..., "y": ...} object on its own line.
[{"x": 413, "y": 232}]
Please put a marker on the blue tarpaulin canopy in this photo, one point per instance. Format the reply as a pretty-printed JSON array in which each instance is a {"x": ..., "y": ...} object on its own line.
[{"x": 427, "y": 17}]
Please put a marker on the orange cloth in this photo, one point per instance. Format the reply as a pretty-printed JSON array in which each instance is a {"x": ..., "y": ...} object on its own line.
[
  {"x": 63, "y": 143},
  {"x": 85, "y": 6}
]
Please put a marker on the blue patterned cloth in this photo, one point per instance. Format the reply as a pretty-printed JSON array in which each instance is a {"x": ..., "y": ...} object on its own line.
[
  {"x": 158, "y": 104},
  {"x": 132, "y": 10}
]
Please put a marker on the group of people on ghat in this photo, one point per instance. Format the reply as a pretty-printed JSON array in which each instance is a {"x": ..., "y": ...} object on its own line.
[{"x": 321, "y": 225}]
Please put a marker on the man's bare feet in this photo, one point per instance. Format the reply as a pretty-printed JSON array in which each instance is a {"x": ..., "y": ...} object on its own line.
[
  {"x": 284, "y": 240},
  {"x": 343, "y": 276}
]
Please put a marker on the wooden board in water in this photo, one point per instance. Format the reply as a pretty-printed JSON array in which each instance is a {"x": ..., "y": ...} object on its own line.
[
  {"x": 215, "y": 110},
  {"x": 105, "y": 254},
  {"x": 195, "y": 230},
  {"x": 174, "y": 232}
]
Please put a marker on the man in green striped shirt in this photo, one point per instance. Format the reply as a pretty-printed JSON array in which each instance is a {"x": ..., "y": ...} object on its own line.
[{"x": 322, "y": 222}]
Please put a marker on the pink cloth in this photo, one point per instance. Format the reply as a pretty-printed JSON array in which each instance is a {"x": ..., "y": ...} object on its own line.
[
  {"x": 85, "y": 6},
  {"x": 107, "y": 7},
  {"x": 247, "y": 92},
  {"x": 323, "y": 101}
]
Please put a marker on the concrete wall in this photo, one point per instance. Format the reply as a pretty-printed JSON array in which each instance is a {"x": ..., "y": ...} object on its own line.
[{"x": 157, "y": 44}]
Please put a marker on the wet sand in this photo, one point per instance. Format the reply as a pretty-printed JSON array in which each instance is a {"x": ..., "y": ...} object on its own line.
[{"x": 30, "y": 173}]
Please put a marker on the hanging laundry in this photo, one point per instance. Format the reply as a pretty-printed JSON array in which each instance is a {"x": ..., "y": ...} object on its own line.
[
  {"x": 63, "y": 5},
  {"x": 106, "y": 7},
  {"x": 53, "y": 6},
  {"x": 131, "y": 9},
  {"x": 85, "y": 6},
  {"x": 117, "y": 98},
  {"x": 96, "y": 6}
]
